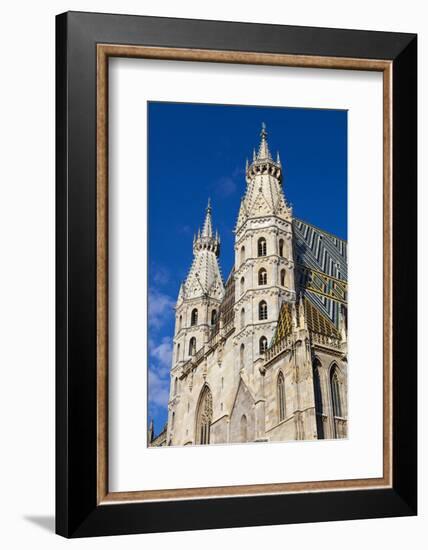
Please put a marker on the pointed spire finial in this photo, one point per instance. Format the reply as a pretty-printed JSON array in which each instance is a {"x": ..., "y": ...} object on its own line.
[
  {"x": 207, "y": 230},
  {"x": 264, "y": 152}
]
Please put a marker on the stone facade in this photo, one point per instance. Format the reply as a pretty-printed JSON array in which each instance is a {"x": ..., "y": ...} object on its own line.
[{"x": 263, "y": 356}]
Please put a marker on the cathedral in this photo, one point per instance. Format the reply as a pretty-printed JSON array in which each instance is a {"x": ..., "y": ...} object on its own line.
[{"x": 261, "y": 356}]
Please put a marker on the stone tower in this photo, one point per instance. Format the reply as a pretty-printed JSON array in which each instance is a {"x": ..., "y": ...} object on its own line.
[
  {"x": 264, "y": 266},
  {"x": 197, "y": 307}
]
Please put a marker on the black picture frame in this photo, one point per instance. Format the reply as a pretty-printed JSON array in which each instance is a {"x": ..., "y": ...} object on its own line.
[{"x": 77, "y": 511}]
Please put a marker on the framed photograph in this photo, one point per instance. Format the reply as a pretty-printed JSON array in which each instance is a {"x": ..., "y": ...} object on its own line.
[{"x": 236, "y": 274}]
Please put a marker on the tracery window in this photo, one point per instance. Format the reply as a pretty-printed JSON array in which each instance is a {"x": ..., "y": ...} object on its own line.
[
  {"x": 281, "y": 247},
  {"x": 214, "y": 317},
  {"x": 262, "y": 276},
  {"x": 192, "y": 346},
  {"x": 318, "y": 399},
  {"x": 282, "y": 277},
  {"x": 204, "y": 417},
  {"x": 194, "y": 317},
  {"x": 263, "y": 314},
  {"x": 261, "y": 247},
  {"x": 241, "y": 356},
  {"x": 335, "y": 392},
  {"x": 242, "y": 254},
  {"x": 263, "y": 344},
  {"x": 281, "y": 396}
]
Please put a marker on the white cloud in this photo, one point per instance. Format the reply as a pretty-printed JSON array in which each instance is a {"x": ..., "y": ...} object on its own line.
[
  {"x": 161, "y": 275},
  {"x": 162, "y": 352},
  {"x": 158, "y": 389},
  {"x": 161, "y": 308},
  {"x": 225, "y": 186}
]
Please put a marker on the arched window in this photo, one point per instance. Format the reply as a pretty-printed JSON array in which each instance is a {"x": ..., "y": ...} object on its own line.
[
  {"x": 192, "y": 346},
  {"x": 263, "y": 344},
  {"x": 335, "y": 392},
  {"x": 261, "y": 247},
  {"x": 263, "y": 314},
  {"x": 242, "y": 318},
  {"x": 262, "y": 276},
  {"x": 282, "y": 277},
  {"x": 243, "y": 427},
  {"x": 175, "y": 385},
  {"x": 194, "y": 318},
  {"x": 281, "y": 247},
  {"x": 177, "y": 357},
  {"x": 242, "y": 254},
  {"x": 318, "y": 399},
  {"x": 180, "y": 322},
  {"x": 172, "y": 420},
  {"x": 214, "y": 317},
  {"x": 281, "y": 396},
  {"x": 204, "y": 417},
  {"x": 242, "y": 285},
  {"x": 241, "y": 356}
]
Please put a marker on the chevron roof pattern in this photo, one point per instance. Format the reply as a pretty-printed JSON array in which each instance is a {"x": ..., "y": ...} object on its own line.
[{"x": 319, "y": 252}]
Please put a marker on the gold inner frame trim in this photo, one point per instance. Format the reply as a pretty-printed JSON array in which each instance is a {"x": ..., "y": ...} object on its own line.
[{"x": 104, "y": 51}]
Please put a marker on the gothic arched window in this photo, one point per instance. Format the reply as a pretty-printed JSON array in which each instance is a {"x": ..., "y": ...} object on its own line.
[
  {"x": 241, "y": 356},
  {"x": 263, "y": 313},
  {"x": 282, "y": 277},
  {"x": 281, "y": 247},
  {"x": 335, "y": 392},
  {"x": 204, "y": 417},
  {"x": 243, "y": 428},
  {"x": 261, "y": 247},
  {"x": 192, "y": 346},
  {"x": 180, "y": 322},
  {"x": 263, "y": 344},
  {"x": 177, "y": 356},
  {"x": 242, "y": 285},
  {"x": 175, "y": 386},
  {"x": 262, "y": 276},
  {"x": 318, "y": 399},
  {"x": 242, "y": 254},
  {"x": 194, "y": 317},
  {"x": 242, "y": 318},
  {"x": 280, "y": 386},
  {"x": 214, "y": 317},
  {"x": 172, "y": 420}
]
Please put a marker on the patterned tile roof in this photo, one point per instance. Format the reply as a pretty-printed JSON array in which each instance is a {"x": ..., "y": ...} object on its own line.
[{"x": 321, "y": 268}]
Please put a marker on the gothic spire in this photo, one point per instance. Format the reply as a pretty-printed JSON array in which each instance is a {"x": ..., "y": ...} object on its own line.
[
  {"x": 264, "y": 153},
  {"x": 206, "y": 240},
  {"x": 204, "y": 277},
  {"x": 207, "y": 230}
]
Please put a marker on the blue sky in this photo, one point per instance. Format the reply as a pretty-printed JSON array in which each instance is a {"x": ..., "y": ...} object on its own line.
[{"x": 198, "y": 151}]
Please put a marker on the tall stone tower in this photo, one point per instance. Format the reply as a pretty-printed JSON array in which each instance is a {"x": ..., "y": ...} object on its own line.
[
  {"x": 264, "y": 266},
  {"x": 197, "y": 307}
]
